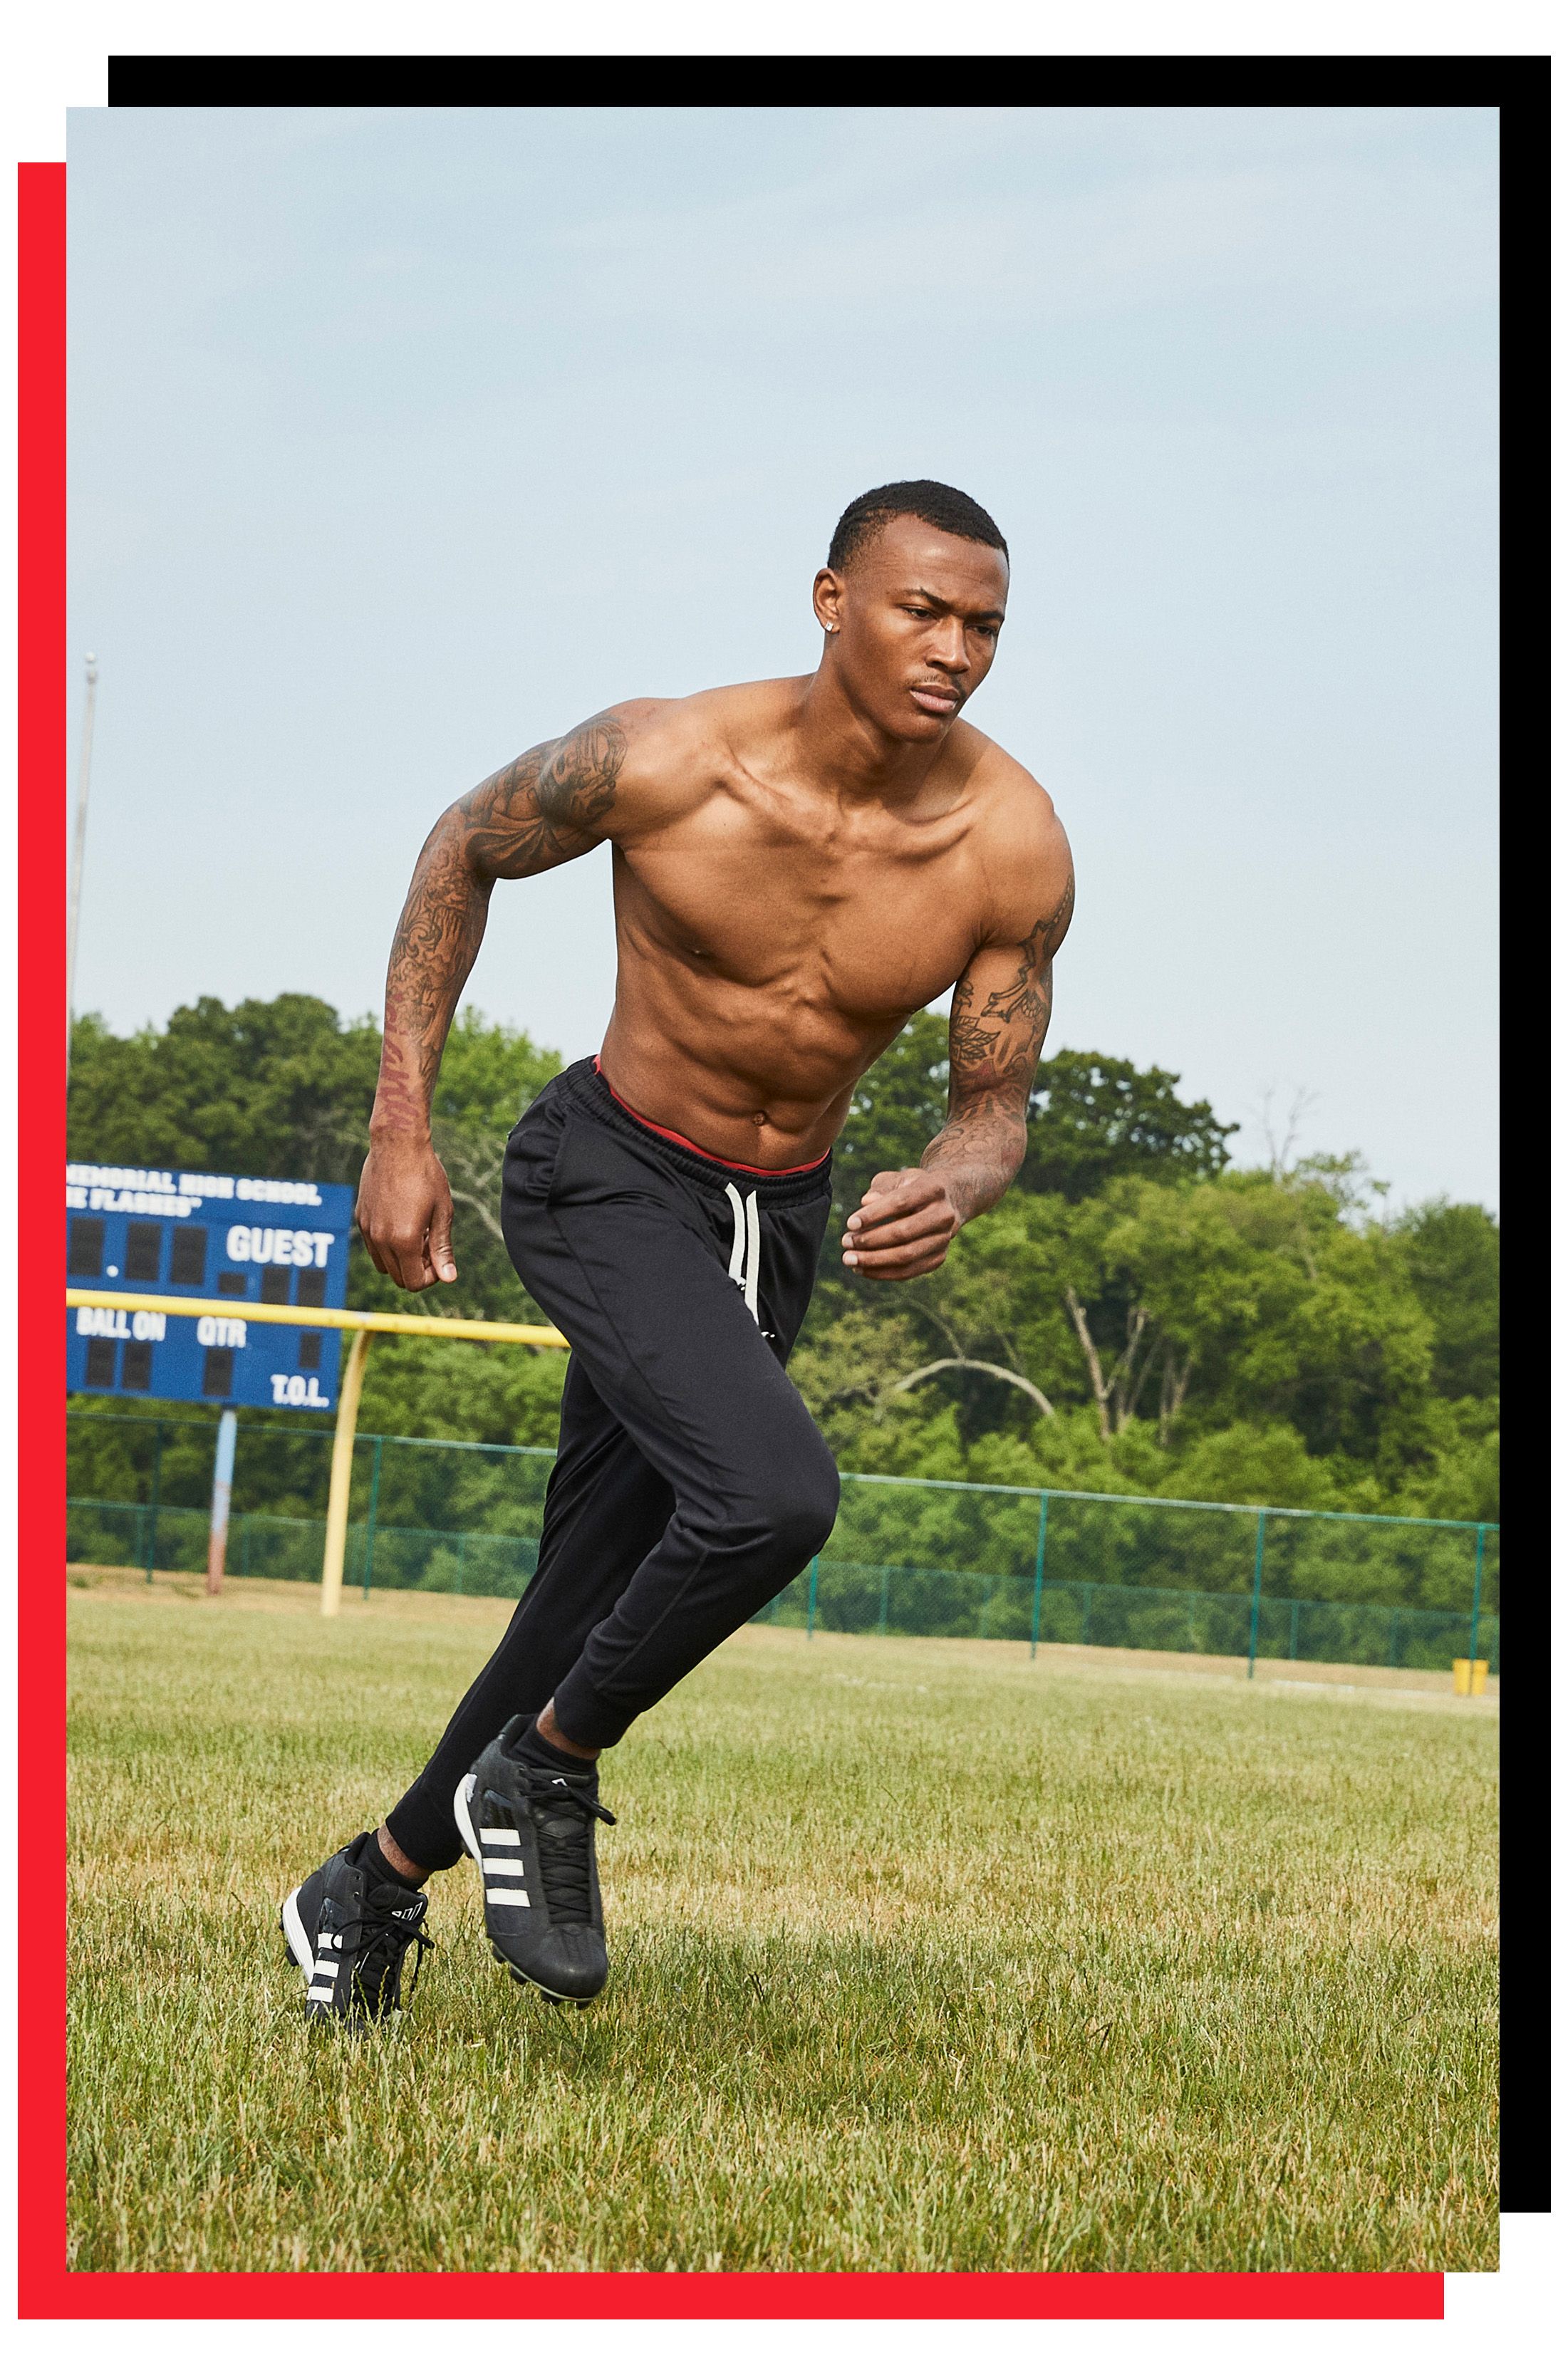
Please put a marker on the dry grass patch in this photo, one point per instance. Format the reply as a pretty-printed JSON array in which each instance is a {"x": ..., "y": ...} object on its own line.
[{"x": 922, "y": 1958}]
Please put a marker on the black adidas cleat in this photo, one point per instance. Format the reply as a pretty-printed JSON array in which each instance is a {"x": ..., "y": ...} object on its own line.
[
  {"x": 530, "y": 1829},
  {"x": 350, "y": 1935}
]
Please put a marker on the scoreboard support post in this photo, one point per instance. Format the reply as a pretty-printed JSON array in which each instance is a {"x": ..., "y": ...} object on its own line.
[
  {"x": 222, "y": 1489},
  {"x": 342, "y": 1474}
]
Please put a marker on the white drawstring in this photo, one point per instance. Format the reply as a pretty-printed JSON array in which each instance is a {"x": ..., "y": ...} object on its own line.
[
  {"x": 753, "y": 1253},
  {"x": 745, "y": 1253}
]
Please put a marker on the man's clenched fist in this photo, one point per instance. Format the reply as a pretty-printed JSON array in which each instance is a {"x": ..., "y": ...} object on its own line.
[
  {"x": 404, "y": 1212},
  {"x": 903, "y": 1227}
]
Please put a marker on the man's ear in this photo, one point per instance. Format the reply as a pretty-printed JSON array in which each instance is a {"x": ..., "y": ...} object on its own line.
[{"x": 827, "y": 600}]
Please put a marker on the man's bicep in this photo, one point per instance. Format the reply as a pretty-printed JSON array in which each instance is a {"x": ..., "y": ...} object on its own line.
[
  {"x": 1002, "y": 1005},
  {"x": 554, "y": 803},
  {"x": 1000, "y": 1010}
]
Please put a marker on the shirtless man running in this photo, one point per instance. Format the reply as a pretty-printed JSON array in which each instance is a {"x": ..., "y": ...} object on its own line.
[{"x": 799, "y": 866}]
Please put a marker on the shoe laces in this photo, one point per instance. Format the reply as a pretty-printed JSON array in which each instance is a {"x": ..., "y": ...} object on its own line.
[
  {"x": 563, "y": 1809},
  {"x": 383, "y": 1940}
]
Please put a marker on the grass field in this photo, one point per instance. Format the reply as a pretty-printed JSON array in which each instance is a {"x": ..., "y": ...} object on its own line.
[{"x": 922, "y": 1958}]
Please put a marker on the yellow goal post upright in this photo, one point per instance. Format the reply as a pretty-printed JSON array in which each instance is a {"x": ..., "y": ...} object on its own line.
[{"x": 361, "y": 1326}]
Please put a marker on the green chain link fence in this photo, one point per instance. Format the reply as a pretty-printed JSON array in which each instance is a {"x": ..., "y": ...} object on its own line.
[{"x": 908, "y": 1555}]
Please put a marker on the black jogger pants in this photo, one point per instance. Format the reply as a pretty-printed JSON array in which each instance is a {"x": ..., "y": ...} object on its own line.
[{"x": 690, "y": 1483}]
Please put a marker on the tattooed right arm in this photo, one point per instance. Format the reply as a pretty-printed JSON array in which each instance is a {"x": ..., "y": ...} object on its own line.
[
  {"x": 550, "y": 805},
  {"x": 547, "y": 807}
]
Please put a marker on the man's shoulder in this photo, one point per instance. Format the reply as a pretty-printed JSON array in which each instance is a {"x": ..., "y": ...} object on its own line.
[
  {"x": 677, "y": 747},
  {"x": 1008, "y": 799},
  {"x": 1026, "y": 863},
  {"x": 717, "y": 712}
]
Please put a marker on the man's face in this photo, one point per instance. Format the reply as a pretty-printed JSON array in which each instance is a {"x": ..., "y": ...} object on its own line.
[{"x": 916, "y": 614}]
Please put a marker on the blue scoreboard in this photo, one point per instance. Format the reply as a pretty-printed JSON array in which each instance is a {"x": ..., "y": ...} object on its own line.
[{"x": 226, "y": 1239}]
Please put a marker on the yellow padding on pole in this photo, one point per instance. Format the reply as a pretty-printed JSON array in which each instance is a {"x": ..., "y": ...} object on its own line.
[
  {"x": 1469, "y": 1677},
  {"x": 342, "y": 1470},
  {"x": 300, "y": 1314}
]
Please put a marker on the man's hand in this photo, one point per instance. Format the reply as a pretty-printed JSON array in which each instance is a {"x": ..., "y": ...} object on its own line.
[
  {"x": 404, "y": 1212},
  {"x": 905, "y": 1224}
]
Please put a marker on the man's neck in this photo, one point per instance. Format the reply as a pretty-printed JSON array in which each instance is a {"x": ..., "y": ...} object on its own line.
[{"x": 849, "y": 754}]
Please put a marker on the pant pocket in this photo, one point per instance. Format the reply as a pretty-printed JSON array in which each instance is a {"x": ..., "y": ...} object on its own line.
[{"x": 533, "y": 1155}]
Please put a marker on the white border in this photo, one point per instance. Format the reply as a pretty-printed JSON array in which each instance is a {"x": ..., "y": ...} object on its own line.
[{"x": 56, "y": 59}]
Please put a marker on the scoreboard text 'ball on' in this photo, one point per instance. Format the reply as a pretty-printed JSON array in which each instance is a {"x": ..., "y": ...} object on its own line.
[{"x": 213, "y": 1235}]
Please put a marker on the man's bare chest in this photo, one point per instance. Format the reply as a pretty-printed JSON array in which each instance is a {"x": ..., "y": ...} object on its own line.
[{"x": 873, "y": 921}]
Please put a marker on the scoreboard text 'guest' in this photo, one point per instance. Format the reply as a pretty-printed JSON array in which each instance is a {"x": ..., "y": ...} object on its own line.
[{"x": 218, "y": 1236}]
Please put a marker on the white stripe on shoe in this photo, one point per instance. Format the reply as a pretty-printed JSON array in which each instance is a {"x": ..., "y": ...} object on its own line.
[
  {"x": 318, "y": 1995},
  {"x": 510, "y": 1865},
  {"x": 499, "y": 1839},
  {"x": 506, "y": 1896},
  {"x": 330, "y": 1969}
]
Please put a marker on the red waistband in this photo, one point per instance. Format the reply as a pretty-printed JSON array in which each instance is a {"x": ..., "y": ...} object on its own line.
[{"x": 752, "y": 1170}]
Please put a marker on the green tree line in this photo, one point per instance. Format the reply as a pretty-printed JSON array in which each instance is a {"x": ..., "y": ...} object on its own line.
[{"x": 1138, "y": 1315}]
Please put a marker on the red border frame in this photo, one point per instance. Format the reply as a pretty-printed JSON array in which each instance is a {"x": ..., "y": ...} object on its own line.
[
  {"x": 41, "y": 1092},
  {"x": 46, "y": 2287}
]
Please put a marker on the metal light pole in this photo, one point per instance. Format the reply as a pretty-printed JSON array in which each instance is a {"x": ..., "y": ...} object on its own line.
[{"x": 78, "y": 852}]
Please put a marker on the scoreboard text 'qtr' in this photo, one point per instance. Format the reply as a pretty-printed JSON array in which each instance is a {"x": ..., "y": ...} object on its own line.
[{"x": 224, "y": 1239}]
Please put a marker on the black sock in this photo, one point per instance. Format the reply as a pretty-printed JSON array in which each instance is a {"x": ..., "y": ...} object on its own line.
[
  {"x": 540, "y": 1751},
  {"x": 371, "y": 1859}
]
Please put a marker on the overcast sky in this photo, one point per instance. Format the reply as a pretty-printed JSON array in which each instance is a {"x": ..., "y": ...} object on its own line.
[{"x": 404, "y": 439}]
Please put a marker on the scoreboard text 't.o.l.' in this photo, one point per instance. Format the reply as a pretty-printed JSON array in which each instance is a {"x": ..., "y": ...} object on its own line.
[{"x": 223, "y": 1238}]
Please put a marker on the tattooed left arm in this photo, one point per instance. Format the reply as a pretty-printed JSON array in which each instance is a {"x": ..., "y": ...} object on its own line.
[{"x": 1000, "y": 1010}]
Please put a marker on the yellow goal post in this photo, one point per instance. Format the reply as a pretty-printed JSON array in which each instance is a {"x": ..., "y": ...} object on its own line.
[{"x": 362, "y": 1325}]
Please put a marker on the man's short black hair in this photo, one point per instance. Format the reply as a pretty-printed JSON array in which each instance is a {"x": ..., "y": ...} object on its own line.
[{"x": 922, "y": 498}]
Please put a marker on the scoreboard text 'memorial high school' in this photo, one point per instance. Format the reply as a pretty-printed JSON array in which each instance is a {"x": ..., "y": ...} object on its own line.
[{"x": 220, "y": 1239}]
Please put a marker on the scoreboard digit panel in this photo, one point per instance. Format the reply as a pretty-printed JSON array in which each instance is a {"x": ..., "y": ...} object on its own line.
[{"x": 224, "y": 1238}]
